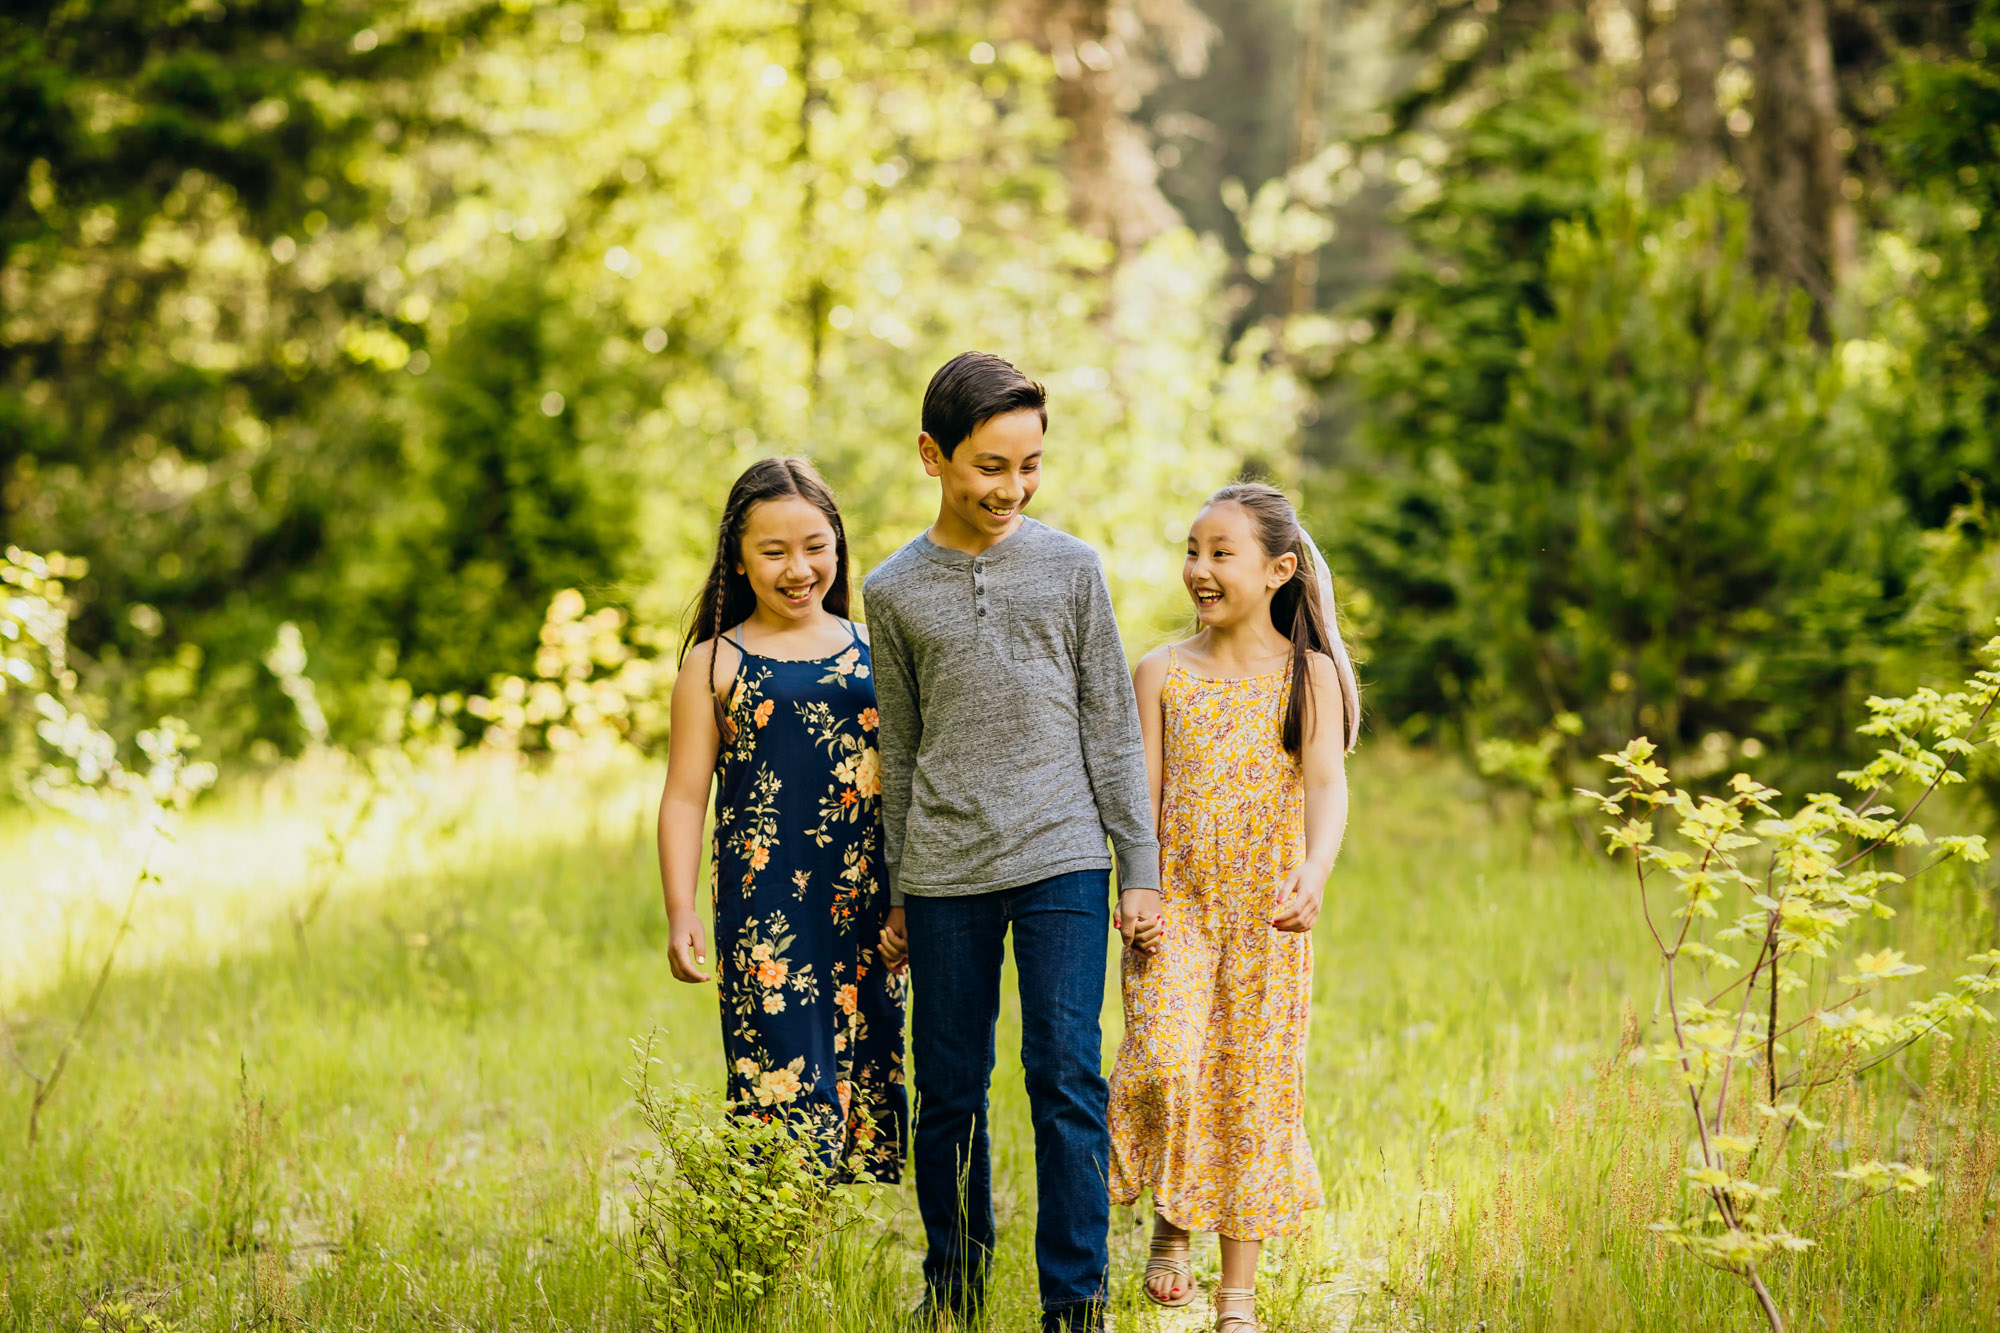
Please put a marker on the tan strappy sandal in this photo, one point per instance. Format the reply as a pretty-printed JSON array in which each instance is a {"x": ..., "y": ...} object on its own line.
[
  {"x": 1169, "y": 1256},
  {"x": 1236, "y": 1321}
]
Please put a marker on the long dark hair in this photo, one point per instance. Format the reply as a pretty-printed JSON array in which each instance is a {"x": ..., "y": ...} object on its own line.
[
  {"x": 726, "y": 598},
  {"x": 1296, "y": 610}
]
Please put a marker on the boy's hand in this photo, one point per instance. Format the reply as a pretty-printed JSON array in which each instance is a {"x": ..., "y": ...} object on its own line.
[
  {"x": 1299, "y": 899},
  {"x": 894, "y": 944},
  {"x": 1138, "y": 920},
  {"x": 687, "y": 947}
]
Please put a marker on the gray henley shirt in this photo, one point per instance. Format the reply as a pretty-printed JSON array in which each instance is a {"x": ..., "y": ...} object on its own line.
[{"x": 1010, "y": 734}]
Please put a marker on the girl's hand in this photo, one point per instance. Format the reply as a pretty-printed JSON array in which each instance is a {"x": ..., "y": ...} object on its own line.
[
  {"x": 1138, "y": 920},
  {"x": 1299, "y": 898},
  {"x": 687, "y": 947},
  {"x": 894, "y": 944}
]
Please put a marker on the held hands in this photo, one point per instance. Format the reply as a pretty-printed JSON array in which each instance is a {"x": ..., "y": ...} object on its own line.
[
  {"x": 687, "y": 947},
  {"x": 1138, "y": 920},
  {"x": 894, "y": 944},
  {"x": 1299, "y": 898}
]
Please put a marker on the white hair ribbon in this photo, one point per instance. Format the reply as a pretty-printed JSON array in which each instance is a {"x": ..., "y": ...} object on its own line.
[{"x": 1350, "y": 690}]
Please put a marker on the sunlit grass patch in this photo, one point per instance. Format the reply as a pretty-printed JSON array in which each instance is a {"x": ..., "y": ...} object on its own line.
[{"x": 414, "y": 1114}]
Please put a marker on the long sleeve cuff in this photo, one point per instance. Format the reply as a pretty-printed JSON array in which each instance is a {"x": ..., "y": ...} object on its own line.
[
  {"x": 896, "y": 883},
  {"x": 1138, "y": 865}
]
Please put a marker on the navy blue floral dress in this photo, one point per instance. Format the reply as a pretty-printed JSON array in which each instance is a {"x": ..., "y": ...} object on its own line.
[{"x": 812, "y": 1023}]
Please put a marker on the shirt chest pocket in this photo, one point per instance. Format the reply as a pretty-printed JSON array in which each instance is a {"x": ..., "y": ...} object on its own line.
[
  {"x": 1036, "y": 624},
  {"x": 1032, "y": 640}
]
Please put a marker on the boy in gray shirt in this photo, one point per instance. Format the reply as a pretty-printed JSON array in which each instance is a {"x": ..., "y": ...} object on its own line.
[{"x": 1010, "y": 751}]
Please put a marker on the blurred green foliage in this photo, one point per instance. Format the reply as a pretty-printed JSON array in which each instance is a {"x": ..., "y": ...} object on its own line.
[
  {"x": 1595, "y": 466},
  {"x": 1938, "y": 275},
  {"x": 395, "y": 322},
  {"x": 1430, "y": 357},
  {"x": 525, "y": 298},
  {"x": 1646, "y": 508}
]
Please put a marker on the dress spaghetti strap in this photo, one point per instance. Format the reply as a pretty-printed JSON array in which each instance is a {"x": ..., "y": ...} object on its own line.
[{"x": 725, "y": 727}]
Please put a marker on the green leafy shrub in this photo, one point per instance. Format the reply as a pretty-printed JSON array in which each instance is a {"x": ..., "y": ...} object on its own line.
[
  {"x": 1670, "y": 525},
  {"x": 590, "y": 693},
  {"x": 1751, "y": 1043},
  {"x": 730, "y": 1210}
]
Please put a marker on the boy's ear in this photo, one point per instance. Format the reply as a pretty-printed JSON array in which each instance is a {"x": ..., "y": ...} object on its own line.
[{"x": 931, "y": 453}]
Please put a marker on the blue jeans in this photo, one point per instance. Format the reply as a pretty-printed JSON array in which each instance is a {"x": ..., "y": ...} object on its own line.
[{"x": 1059, "y": 929}]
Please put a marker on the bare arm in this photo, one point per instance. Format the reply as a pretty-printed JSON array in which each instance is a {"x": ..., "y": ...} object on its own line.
[
  {"x": 1139, "y": 909},
  {"x": 1149, "y": 682},
  {"x": 692, "y": 748},
  {"x": 1323, "y": 758}
]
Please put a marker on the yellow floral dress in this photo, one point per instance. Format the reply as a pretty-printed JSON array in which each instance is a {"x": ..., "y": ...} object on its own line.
[{"x": 1208, "y": 1095}]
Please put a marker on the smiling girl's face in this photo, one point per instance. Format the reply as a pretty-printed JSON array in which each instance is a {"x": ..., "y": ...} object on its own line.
[
  {"x": 788, "y": 555},
  {"x": 1227, "y": 573}
]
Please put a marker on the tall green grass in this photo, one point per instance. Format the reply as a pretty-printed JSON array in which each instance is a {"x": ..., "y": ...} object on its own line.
[{"x": 412, "y": 1113}]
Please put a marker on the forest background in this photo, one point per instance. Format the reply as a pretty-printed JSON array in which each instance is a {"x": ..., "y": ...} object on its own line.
[
  {"x": 1635, "y": 360},
  {"x": 370, "y": 375}
]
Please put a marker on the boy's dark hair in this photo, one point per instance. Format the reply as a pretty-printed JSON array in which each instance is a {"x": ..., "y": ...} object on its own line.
[{"x": 971, "y": 389}]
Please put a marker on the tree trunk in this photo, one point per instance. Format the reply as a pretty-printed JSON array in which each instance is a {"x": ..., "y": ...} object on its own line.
[
  {"x": 1830, "y": 166},
  {"x": 1098, "y": 48},
  {"x": 1308, "y": 133},
  {"x": 1699, "y": 35},
  {"x": 1793, "y": 169}
]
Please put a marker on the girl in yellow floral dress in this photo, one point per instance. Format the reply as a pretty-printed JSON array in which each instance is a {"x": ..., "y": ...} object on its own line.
[{"x": 1247, "y": 724}]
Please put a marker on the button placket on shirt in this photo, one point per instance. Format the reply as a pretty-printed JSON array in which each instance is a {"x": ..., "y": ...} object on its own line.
[{"x": 979, "y": 587}]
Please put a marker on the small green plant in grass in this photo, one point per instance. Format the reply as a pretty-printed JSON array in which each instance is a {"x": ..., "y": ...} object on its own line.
[
  {"x": 729, "y": 1210},
  {"x": 1750, "y": 1042},
  {"x": 125, "y": 1317},
  {"x": 74, "y": 767},
  {"x": 242, "y": 1202},
  {"x": 1536, "y": 768}
]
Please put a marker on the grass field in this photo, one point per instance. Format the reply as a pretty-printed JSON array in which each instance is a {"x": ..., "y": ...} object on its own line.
[{"x": 406, "y": 1108}]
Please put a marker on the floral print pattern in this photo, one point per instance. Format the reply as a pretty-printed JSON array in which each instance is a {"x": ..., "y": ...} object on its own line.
[
  {"x": 812, "y": 1023},
  {"x": 1208, "y": 1094},
  {"x": 856, "y": 790}
]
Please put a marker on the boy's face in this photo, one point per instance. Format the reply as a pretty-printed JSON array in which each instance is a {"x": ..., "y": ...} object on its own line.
[{"x": 991, "y": 476}]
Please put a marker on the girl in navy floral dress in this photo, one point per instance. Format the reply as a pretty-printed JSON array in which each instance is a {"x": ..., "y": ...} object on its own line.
[{"x": 776, "y": 702}]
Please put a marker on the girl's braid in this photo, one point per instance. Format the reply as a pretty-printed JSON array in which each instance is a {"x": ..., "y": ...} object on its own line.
[{"x": 724, "y": 726}]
